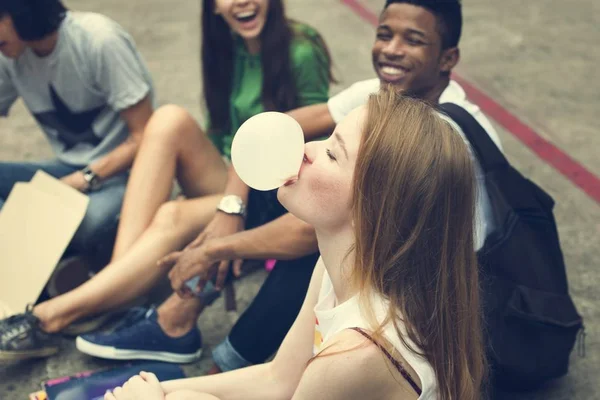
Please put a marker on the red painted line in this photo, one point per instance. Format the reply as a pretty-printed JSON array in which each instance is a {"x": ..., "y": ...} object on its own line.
[
  {"x": 552, "y": 155},
  {"x": 548, "y": 152},
  {"x": 362, "y": 11}
]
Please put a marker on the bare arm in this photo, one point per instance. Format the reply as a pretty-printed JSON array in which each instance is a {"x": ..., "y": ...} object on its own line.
[
  {"x": 121, "y": 158},
  {"x": 352, "y": 368},
  {"x": 236, "y": 186},
  {"x": 285, "y": 238},
  {"x": 275, "y": 380},
  {"x": 316, "y": 120}
]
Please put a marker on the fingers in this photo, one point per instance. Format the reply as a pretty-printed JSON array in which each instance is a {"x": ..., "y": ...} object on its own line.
[
  {"x": 222, "y": 274},
  {"x": 118, "y": 392},
  {"x": 175, "y": 277},
  {"x": 177, "y": 284},
  {"x": 136, "y": 379},
  {"x": 237, "y": 268},
  {"x": 149, "y": 377},
  {"x": 191, "y": 263},
  {"x": 170, "y": 260},
  {"x": 135, "y": 387},
  {"x": 183, "y": 291},
  {"x": 200, "y": 285},
  {"x": 109, "y": 396},
  {"x": 197, "y": 242}
]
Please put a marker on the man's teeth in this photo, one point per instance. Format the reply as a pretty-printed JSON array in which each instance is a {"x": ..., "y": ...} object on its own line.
[{"x": 391, "y": 70}]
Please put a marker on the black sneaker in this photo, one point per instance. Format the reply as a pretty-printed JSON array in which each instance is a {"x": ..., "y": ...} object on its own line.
[{"x": 21, "y": 338}]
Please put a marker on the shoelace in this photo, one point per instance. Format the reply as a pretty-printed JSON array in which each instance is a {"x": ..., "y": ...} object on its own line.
[
  {"x": 132, "y": 316},
  {"x": 21, "y": 322},
  {"x": 14, "y": 332}
]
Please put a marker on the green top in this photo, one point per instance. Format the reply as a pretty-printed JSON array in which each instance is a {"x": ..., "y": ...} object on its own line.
[{"x": 311, "y": 73}]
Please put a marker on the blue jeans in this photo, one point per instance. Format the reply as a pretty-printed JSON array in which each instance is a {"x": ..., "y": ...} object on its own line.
[
  {"x": 101, "y": 218},
  {"x": 260, "y": 330}
]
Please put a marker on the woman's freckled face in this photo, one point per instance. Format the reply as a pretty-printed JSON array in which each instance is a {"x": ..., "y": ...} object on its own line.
[{"x": 322, "y": 194}]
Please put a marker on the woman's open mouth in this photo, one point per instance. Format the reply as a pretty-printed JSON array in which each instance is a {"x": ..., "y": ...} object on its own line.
[{"x": 246, "y": 17}]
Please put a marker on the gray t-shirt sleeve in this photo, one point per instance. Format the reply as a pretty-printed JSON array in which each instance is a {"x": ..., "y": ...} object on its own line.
[
  {"x": 8, "y": 92},
  {"x": 119, "y": 74}
]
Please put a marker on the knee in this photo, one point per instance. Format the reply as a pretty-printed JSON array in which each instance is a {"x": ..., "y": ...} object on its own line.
[
  {"x": 170, "y": 124},
  {"x": 167, "y": 217}
]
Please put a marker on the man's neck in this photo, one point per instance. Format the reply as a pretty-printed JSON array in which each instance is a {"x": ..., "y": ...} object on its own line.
[
  {"x": 334, "y": 249},
  {"x": 44, "y": 47},
  {"x": 433, "y": 95},
  {"x": 429, "y": 94}
]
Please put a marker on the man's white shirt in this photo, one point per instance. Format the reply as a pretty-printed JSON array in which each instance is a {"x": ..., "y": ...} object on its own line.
[{"x": 357, "y": 95}]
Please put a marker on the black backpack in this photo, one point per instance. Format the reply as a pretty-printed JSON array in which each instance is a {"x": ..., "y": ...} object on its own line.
[{"x": 530, "y": 320}]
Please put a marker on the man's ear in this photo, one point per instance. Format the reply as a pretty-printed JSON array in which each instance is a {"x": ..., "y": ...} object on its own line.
[{"x": 449, "y": 59}]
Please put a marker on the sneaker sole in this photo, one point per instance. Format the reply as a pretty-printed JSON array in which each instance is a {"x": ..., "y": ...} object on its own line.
[
  {"x": 26, "y": 355},
  {"x": 79, "y": 328},
  {"x": 112, "y": 353}
]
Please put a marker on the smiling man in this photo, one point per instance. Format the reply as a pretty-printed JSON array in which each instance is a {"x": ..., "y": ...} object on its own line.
[{"x": 415, "y": 50}]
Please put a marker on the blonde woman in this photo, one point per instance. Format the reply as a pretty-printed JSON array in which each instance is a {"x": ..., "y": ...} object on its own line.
[{"x": 392, "y": 311}]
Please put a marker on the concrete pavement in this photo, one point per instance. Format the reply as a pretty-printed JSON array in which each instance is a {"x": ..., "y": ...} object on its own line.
[{"x": 537, "y": 59}]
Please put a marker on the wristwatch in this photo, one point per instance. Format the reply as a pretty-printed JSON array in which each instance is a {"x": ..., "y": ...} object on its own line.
[
  {"x": 232, "y": 205},
  {"x": 91, "y": 178}
]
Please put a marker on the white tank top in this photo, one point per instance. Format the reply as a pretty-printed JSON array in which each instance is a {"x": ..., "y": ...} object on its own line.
[{"x": 331, "y": 320}]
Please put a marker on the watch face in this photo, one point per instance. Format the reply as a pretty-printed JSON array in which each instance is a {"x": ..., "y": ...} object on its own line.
[
  {"x": 91, "y": 179},
  {"x": 231, "y": 204}
]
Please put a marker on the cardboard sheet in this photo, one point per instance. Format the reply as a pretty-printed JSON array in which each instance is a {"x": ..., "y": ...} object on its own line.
[{"x": 37, "y": 222}]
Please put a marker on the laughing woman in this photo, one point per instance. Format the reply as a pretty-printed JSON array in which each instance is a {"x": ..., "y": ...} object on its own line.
[{"x": 254, "y": 59}]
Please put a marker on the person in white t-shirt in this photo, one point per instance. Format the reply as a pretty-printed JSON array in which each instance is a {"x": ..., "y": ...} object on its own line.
[
  {"x": 395, "y": 295},
  {"x": 415, "y": 50}
]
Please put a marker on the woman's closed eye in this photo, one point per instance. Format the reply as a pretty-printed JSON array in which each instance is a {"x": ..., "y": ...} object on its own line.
[{"x": 330, "y": 155}]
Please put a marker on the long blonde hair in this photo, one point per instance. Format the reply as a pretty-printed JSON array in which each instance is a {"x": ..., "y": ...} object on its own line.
[{"x": 413, "y": 208}]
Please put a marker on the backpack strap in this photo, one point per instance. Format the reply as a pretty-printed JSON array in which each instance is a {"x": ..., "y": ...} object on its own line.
[{"x": 488, "y": 154}]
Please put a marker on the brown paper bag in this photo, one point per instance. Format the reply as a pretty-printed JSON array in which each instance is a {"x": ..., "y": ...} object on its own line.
[{"x": 37, "y": 222}]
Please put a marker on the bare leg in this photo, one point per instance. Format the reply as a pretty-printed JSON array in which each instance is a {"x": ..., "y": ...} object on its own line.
[
  {"x": 174, "y": 226},
  {"x": 177, "y": 316},
  {"x": 173, "y": 145}
]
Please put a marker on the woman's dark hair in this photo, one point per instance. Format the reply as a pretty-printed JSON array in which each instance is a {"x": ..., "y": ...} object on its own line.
[
  {"x": 278, "y": 92},
  {"x": 34, "y": 19}
]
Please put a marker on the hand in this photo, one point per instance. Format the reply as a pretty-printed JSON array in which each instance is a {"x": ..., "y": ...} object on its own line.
[
  {"x": 77, "y": 181},
  {"x": 144, "y": 386},
  {"x": 200, "y": 257}
]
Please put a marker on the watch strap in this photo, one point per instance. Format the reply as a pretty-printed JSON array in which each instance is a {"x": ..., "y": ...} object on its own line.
[{"x": 92, "y": 179}]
